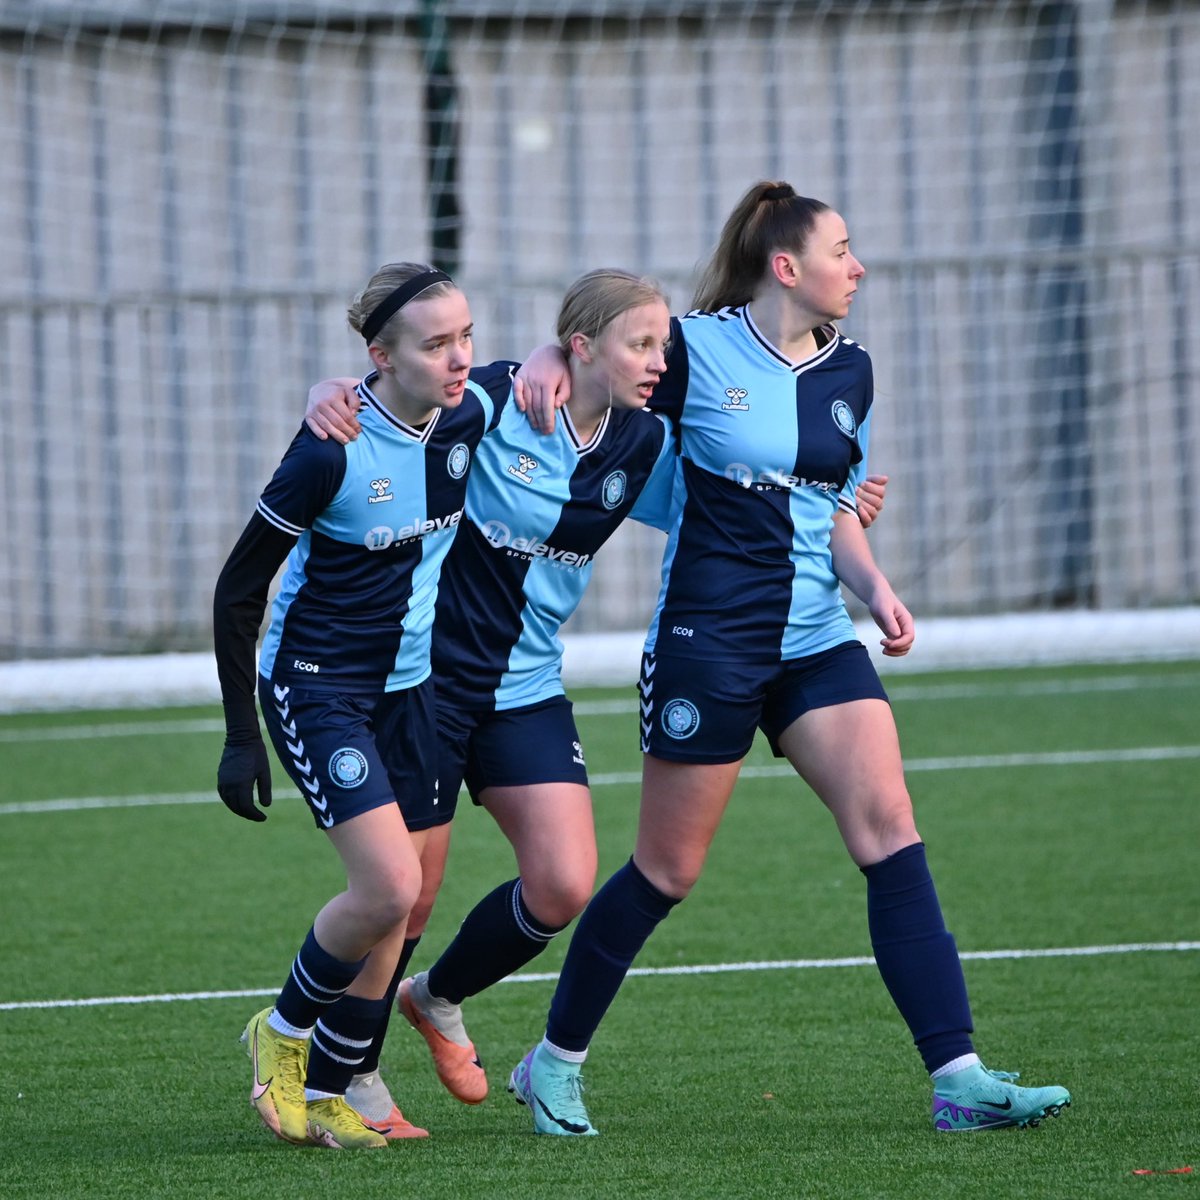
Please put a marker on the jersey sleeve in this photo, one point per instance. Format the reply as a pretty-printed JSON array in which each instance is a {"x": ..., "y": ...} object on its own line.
[
  {"x": 671, "y": 389},
  {"x": 496, "y": 379},
  {"x": 655, "y": 505},
  {"x": 239, "y": 601},
  {"x": 847, "y": 500},
  {"x": 304, "y": 483}
]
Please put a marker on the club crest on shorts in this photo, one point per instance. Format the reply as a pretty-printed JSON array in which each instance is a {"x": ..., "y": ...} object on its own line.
[
  {"x": 347, "y": 768},
  {"x": 613, "y": 491},
  {"x": 458, "y": 461},
  {"x": 843, "y": 414},
  {"x": 680, "y": 719}
]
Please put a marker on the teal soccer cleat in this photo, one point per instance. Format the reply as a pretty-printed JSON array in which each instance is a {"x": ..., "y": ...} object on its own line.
[
  {"x": 553, "y": 1091},
  {"x": 976, "y": 1098}
]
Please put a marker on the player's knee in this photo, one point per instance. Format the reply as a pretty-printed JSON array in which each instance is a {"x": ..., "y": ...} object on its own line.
[
  {"x": 674, "y": 876},
  {"x": 393, "y": 899},
  {"x": 892, "y": 817},
  {"x": 559, "y": 899},
  {"x": 884, "y": 825}
]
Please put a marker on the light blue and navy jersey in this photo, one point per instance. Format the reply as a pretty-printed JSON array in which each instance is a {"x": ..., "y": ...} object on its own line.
[
  {"x": 538, "y": 509},
  {"x": 374, "y": 519},
  {"x": 770, "y": 449}
]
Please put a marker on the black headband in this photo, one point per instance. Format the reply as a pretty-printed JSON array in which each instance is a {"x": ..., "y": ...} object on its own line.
[
  {"x": 782, "y": 191},
  {"x": 408, "y": 290}
]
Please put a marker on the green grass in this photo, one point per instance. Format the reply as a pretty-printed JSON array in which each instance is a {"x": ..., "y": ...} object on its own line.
[{"x": 790, "y": 1082}]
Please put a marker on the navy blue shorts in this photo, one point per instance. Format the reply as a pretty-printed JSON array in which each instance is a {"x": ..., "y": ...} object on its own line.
[
  {"x": 537, "y": 743},
  {"x": 704, "y": 711},
  {"x": 349, "y": 754}
]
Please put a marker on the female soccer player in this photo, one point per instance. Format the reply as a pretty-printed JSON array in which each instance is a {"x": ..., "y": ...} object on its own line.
[
  {"x": 537, "y": 511},
  {"x": 772, "y": 405},
  {"x": 343, "y": 676}
]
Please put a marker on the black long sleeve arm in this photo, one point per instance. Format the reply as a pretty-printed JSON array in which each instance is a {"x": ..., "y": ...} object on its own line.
[{"x": 239, "y": 601}]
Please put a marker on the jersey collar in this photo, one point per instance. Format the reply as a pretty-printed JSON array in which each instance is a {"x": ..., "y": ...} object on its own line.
[
  {"x": 594, "y": 441},
  {"x": 373, "y": 402},
  {"x": 832, "y": 334}
]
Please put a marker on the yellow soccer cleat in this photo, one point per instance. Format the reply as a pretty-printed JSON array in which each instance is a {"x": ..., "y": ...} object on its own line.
[
  {"x": 333, "y": 1123},
  {"x": 280, "y": 1064}
]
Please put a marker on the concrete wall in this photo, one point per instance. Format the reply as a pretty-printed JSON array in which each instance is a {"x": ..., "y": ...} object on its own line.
[{"x": 185, "y": 211}]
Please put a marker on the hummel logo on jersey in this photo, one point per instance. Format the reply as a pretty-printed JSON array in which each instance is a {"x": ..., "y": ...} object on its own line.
[
  {"x": 735, "y": 400},
  {"x": 380, "y": 488},
  {"x": 525, "y": 464}
]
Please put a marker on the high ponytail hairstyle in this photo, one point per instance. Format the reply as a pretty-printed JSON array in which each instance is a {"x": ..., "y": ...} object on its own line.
[{"x": 770, "y": 216}]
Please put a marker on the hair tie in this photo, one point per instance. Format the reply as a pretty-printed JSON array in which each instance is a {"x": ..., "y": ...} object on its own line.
[
  {"x": 391, "y": 305},
  {"x": 781, "y": 191}
]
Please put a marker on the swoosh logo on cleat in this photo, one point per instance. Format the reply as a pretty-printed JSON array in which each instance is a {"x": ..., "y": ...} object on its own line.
[
  {"x": 259, "y": 1090},
  {"x": 569, "y": 1126},
  {"x": 997, "y": 1104}
]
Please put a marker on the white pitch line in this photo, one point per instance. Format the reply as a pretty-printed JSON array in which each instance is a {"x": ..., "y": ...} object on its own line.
[
  {"x": 809, "y": 964},
  {"x": 793, "y": 964},
  {"x": 71, "y": 733},
  {"x": 1059, "y": 758},
  {"x": 970, "y": 691},
  {"x": 612, "y": 708},
  {"x": 79, "y": 803}
]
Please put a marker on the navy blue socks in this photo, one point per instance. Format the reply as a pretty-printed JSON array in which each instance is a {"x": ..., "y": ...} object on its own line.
[
  {"x": 317, "y": 980},
  {"x": 341, "y": 1042},
  {"x": 370, "y": 1060},
  {"x": 917, "y": 957},
  {"x": 499, "y": 935},
  {"x": 612, "y": 930}
]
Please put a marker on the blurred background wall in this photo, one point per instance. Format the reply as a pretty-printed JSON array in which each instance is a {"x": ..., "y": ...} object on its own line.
[{"x": 192, "y": 193}]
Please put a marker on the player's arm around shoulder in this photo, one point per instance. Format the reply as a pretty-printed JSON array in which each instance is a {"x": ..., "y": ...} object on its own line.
[
  {"x": 868, "y": 498},
  {"x": 542, "y": 386},
  {"x": 332, "y": 410},
  {"x": 495, "y": 385}
]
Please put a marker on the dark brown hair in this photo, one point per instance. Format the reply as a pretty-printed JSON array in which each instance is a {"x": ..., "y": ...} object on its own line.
[{"x": 770, "y": 216}]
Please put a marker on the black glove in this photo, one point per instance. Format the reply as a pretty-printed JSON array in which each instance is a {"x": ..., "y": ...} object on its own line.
[{"x": 244, "y": 763}]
